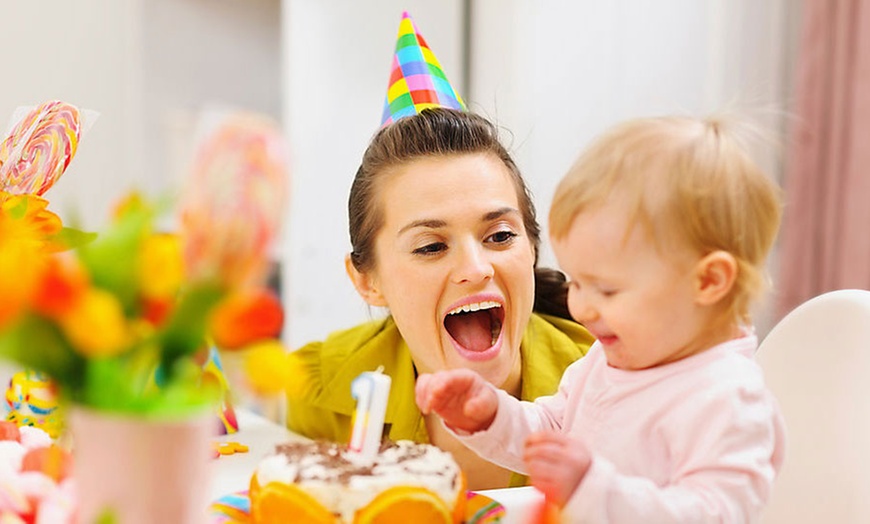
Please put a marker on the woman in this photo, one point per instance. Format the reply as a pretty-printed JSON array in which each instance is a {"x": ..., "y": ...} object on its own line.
[{"x": 444, "y": 234}]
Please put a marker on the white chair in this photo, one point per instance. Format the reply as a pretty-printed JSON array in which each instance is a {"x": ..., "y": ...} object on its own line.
[{"x": 816, "y": 361}]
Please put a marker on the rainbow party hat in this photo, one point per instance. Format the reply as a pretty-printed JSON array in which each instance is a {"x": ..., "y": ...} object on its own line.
[{"x": 417, "y": 80}]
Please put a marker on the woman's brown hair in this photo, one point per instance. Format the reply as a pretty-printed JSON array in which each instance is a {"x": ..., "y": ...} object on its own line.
[{"x": 441, "y": 132}]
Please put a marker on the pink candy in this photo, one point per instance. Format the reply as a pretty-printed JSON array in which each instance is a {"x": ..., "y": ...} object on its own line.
[{"x": 31, "y": 496}]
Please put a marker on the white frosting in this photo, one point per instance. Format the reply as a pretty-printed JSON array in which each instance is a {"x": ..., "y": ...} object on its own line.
[{"x": 334, "y": 476}]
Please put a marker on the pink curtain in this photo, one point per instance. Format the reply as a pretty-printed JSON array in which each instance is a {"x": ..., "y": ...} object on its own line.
[{"x": 825, "y": 239}]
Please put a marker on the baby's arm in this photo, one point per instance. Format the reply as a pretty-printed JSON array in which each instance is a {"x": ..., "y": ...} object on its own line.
[
  {"x": 460, "y": 397},
  {"x": 489, "y": 421},
  {"x": 724, "y": 456}
]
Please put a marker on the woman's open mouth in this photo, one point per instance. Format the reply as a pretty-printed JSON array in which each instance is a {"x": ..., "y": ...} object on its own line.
[{"x": 475, "y": 329}]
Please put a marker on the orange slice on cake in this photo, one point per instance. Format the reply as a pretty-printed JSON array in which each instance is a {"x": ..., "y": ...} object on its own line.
[
  {"x": 460, "y": 508},
  {"x": 403, "y": 504},
  {"x": 279, "y": 503}
]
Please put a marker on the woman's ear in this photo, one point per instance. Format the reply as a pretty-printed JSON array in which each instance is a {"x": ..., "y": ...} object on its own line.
[
  {"x": 364, "y": 284},
  {"x": 715, "y": 275}
]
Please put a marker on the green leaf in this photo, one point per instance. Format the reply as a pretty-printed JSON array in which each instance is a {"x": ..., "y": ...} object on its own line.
[
  {"x": 187, "y": 328},
  {"x": 111, "y": 257},
  {"x": 38, "y": 344},
  {"x": 72, "y": 238}
]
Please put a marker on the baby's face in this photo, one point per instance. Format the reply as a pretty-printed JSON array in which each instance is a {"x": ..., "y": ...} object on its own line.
[{"x": 637, "y": 300}]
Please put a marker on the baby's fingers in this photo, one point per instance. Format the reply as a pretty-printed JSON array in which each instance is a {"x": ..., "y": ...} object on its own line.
[
  {"x": 544, "y": 446},
  {"x": 422, "y": 393}
]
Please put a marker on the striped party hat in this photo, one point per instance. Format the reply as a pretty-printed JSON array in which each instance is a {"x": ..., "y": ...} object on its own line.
[{"x": 417, "y": 80}]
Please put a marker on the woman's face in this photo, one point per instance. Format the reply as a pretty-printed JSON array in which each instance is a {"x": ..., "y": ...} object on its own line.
[{"x": 454, "y": 264}]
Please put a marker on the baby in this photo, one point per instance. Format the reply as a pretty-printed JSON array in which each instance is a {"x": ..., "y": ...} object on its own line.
[{"x": 663, "y": 226}]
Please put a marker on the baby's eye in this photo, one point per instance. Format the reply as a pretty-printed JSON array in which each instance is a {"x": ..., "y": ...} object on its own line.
[
  {"x": 502, "y": 237},
  {"x": 607, "y": 292},
  {"x": 430, "y": 249}
]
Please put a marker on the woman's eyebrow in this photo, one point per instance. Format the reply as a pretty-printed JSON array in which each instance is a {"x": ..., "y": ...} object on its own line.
[
  {"x": 498, "y": 213},
  {"x": 430, "y": 223},
  {"x": 434, "y": 223}
]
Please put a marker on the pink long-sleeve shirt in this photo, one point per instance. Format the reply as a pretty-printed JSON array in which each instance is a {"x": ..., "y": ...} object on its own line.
[{"x": 697, "y": 440}]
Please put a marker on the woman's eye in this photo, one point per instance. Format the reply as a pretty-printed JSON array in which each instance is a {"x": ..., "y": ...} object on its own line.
[
  {"x": 430, "y": 249},
  {"x": 502, "y": 237}
]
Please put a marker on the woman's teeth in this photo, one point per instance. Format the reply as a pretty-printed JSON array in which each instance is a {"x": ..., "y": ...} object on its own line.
[{"x": 477, "y": 306}]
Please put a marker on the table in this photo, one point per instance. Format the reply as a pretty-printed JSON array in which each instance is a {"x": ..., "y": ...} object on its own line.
[{"x": 233, "y": 472}]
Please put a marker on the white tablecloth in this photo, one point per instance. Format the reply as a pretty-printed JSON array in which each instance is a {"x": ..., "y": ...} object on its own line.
[{"x": 233, "y": 472}]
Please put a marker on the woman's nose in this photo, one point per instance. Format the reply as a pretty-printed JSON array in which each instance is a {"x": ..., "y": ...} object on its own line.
[{"x": 472, "y": 265}]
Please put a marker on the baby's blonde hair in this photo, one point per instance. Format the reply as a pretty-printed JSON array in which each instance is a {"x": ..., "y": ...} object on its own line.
[{"x": 688, "y": 180}]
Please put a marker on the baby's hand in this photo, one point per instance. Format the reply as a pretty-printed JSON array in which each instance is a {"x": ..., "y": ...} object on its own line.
[
  {"x": 460, "y": 397},
  {"x": 556, "y": 463}
]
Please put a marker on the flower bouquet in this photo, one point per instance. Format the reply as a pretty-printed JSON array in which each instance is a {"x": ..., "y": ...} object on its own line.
[{"x": 117, "y": 320}]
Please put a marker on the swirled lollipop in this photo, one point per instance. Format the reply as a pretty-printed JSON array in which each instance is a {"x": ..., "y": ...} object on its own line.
[
  {"x": 235, "y": 199},
  {"x": 39, "y": 148}
]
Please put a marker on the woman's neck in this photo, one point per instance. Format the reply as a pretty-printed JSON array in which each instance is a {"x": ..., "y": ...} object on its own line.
[{"x": 513, "y": 384}]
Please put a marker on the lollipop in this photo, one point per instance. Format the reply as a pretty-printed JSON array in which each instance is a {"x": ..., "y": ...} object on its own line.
[
  {"x": 235, "y": 199},
  {"x": 37, "y": 151}
]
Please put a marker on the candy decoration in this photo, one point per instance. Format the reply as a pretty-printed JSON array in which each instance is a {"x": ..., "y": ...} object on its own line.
[
  {"x": 371, "y": 391},
  {"x": 417, "y": 80},
  {"x": 231, "y": 509},
  {"x": 32, "y": 401},
  {"x": 39, "y": 148},
  {"x": 213, "y": 373},
  {"x": 228, "y": 448}
]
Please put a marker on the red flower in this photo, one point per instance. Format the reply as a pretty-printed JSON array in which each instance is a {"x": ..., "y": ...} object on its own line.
[{"x": 246, "y": 317}]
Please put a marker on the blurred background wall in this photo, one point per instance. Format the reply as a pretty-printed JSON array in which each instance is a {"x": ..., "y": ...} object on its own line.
[{"x": 551, "y": 74}]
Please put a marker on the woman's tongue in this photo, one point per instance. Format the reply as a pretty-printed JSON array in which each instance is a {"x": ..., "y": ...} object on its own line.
[{"x": 473, "y": 331}]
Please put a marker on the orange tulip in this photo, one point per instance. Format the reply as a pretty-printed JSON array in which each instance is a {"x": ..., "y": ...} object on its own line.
[
  {"x": 155, "y": 311},
  {"x": 62, "y": 285},
  {"x": 22, "y": 257},
  {"x": 246, "y": 317},
  {"x": 19, "y": 277}
]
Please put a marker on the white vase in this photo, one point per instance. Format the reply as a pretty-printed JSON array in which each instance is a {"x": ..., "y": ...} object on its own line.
[{"x": 136, "y": 470}]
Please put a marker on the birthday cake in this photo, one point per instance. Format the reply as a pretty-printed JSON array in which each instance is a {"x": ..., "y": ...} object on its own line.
[{"x": 325, "y": 482}]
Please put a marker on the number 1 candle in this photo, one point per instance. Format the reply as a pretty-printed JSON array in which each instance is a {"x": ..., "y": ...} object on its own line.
[{"x": 371, "y": 390}]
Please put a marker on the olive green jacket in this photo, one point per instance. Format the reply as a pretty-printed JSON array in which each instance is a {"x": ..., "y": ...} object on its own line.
[{"x": 325, "y": 408}]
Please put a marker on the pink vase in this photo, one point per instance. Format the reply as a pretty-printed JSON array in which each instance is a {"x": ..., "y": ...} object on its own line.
[{"x": 137, "y": 470}]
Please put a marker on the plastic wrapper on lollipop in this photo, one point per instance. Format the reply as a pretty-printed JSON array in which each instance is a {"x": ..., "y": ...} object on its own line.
[{"x": 40, "y": 144}]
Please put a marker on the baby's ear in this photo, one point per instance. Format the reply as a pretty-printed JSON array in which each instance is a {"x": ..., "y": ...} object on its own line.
[
  {"x": 715, "y": 275},
  {"x": 365, "y": 285}
]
